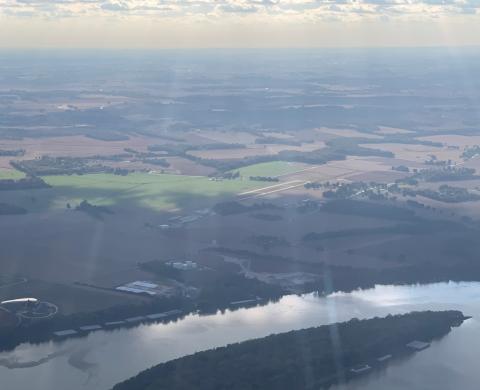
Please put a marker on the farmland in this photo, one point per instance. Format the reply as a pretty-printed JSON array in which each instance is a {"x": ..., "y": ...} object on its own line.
[
  {"x": 153, "y": 191},
  {"x": 153, "y": 163},
  {"x": 10, "y": 174},
  {"x": 273, "y": 169}
]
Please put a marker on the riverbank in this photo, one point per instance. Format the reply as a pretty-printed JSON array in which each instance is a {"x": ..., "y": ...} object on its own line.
[
  {"x": 128, "y": 316},
  {"x": 331, "y": 279}
]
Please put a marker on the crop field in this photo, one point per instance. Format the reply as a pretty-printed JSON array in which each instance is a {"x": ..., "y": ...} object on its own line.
[
  {"x": 154, "y": 191},
  {"x": 74, "y": 146},
  {"x": 255, "y": 150},
  {"x": 416, "y": 153},
  {"x": 273, "y": 169},
  {"x": 10, "y": 174}
]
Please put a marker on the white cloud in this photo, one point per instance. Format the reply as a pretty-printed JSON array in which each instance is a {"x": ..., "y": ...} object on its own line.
[{"x": 297, "y": 9}]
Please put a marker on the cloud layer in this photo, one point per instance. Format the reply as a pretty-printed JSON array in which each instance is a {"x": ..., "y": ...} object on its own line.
[{"x": 288, "y": 10}]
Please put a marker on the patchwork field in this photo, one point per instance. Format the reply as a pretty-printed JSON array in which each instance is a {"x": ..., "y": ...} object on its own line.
[
  {"x": 68, "y": 249},
  {"x": 155, "y": 145},
  {"x": 75, "y": 146},
  {"x": 255, "y": 150},
  {"x": 153, "y": 191},
  {"x": 416, "y": 153}
]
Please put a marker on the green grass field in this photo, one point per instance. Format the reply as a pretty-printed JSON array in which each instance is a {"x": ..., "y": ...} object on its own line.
[
  {"x": 272, "y": 169},
  {"x": 154, "y": 191},
  {"x": 11, "y": 174}
]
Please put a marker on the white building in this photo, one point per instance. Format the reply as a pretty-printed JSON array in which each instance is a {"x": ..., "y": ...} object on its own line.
[
  {"x": 15, "y": 305},
  {"x": 183, "y": 265}
]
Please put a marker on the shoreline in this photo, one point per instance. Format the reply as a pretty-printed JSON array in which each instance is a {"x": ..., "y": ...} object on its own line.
[{"x": 147, "y": 314}]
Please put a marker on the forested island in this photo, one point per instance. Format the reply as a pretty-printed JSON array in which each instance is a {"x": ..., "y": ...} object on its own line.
[{"x": 302, "y": 359}]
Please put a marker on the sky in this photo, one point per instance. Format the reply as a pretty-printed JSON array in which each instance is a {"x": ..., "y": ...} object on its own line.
[{"x": 143, "y": 24}]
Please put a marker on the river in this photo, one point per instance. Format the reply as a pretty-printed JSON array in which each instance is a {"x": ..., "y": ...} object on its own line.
[{"x": 104, "y": 358}]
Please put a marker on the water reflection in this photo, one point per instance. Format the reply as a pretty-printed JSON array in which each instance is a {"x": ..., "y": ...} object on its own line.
[
  {"x": 104, "y": 358},
  {"x": 418, "y": 294}
]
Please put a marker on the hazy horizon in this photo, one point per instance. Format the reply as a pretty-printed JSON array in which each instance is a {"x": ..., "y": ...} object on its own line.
[{"x": 149, "y": 24}]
